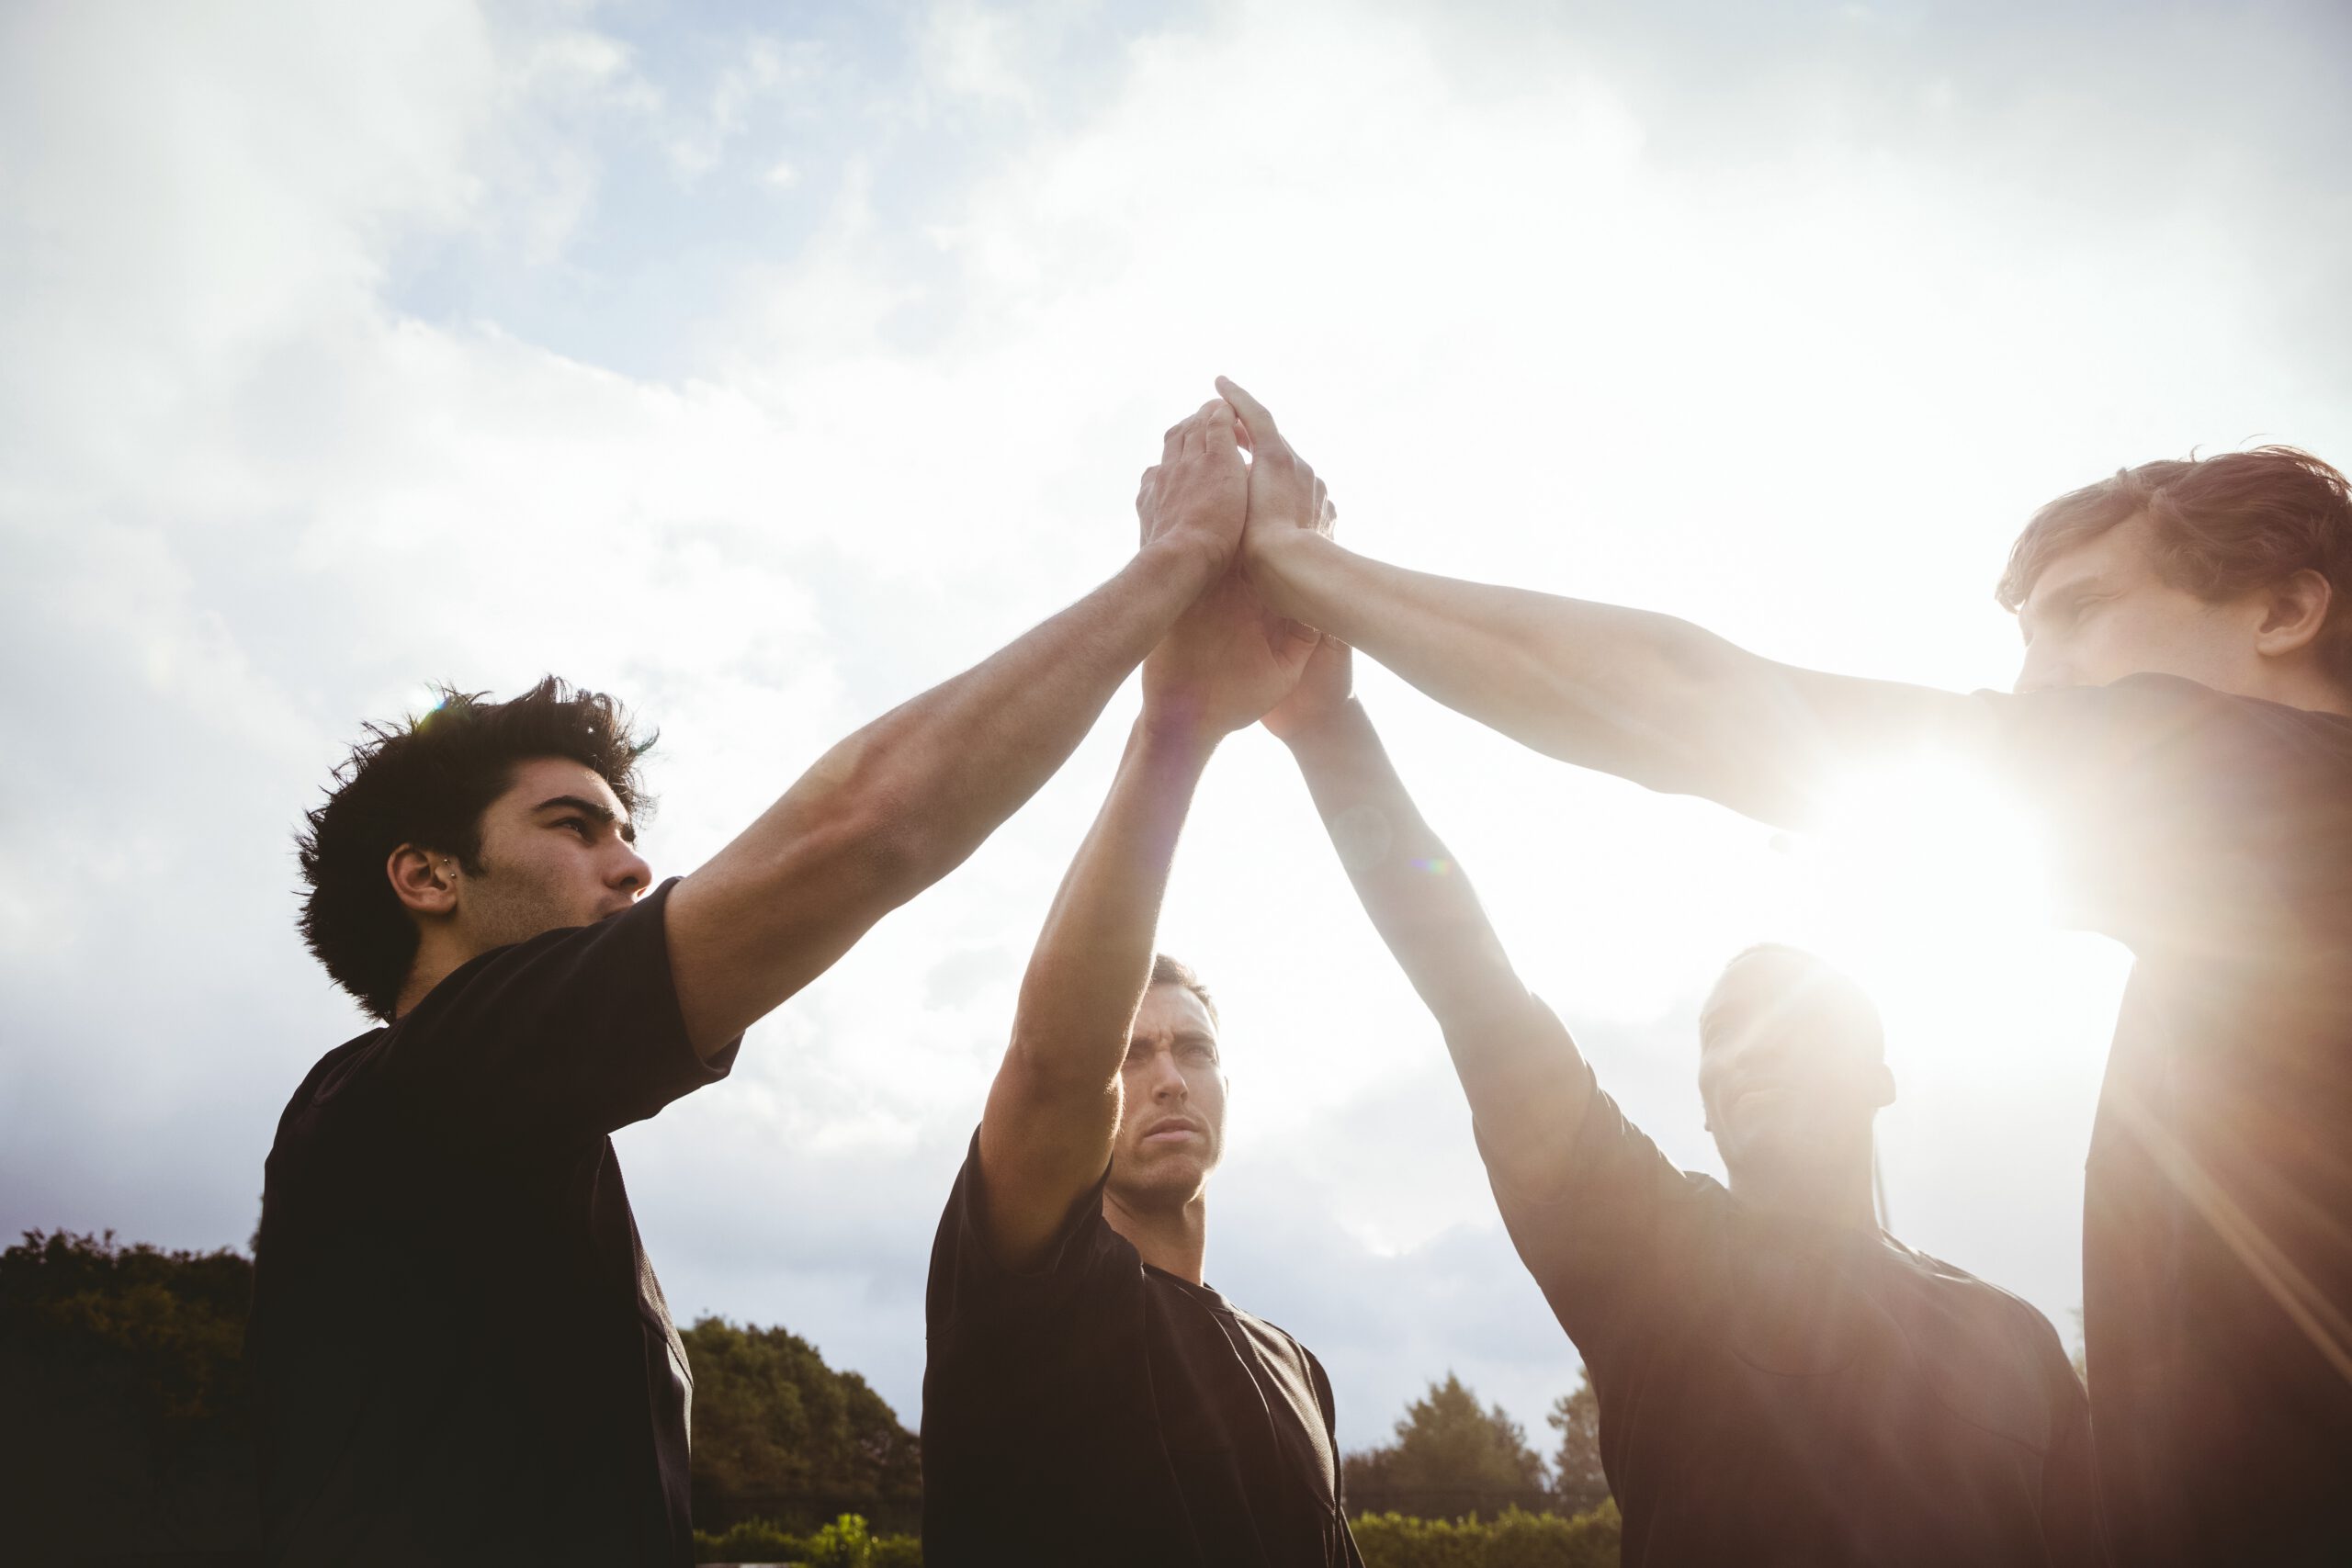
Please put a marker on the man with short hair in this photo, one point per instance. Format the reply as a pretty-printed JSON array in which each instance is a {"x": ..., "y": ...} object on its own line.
[
  {"x": 1090, "y": 1398},
  {"x": 1779, "y": 1380},
  {"x": 2184, "y": 719},
  {"x": 460, "y": 1349}
]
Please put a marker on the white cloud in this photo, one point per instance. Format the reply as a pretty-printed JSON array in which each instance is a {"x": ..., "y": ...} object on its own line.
[{"x": 1776, "y": 351}]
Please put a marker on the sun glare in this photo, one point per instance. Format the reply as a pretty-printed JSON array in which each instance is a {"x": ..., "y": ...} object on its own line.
[{"x": 1928, "y": 884}]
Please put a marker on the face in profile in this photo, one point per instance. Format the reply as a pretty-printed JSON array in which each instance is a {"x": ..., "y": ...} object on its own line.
[
  {"x": 2102, "y": 611},
  {"x": 557, "y": 850},
  {"x": 1791, "y": 1067},
  {"x": 1171, "y": 1123}
]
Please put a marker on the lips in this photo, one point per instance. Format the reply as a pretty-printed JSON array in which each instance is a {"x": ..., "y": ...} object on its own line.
[{"x": 1172, "y": 1131}]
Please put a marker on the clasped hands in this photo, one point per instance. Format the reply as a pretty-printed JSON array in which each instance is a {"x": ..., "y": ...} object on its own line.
[{"x": 1230, "y": 659}]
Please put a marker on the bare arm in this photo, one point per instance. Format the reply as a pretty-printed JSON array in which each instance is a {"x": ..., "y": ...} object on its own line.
[
  {"x": 1642, "y": 695},
  {"x": 903, "y": 802},
  {"x": 1525, "y": 1081},
  {"x": 1054, "y": 1109}
]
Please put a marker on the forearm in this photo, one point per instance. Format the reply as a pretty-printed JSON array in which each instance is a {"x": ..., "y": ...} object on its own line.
[
  {"x": 904, "y": 800},
  {"x": 1054, "y": 1108},
  {"x": 1416, "y": 895},
  {"x": 1642, "y": 695},
  {"x": 1525, "y": 1082},
  {"x": 1094, "y": 958}
]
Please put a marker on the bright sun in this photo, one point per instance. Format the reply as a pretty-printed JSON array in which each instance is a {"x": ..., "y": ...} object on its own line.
[{"x": 1929, "y": 885}]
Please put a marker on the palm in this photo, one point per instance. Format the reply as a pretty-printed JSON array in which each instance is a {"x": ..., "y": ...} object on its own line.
[
  {"x": 1323, "y": 686},
  {"x": 1227, "y": 662}
]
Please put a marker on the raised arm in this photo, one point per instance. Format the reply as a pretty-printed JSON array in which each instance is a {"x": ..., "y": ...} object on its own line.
[
  {"x": 1054, "y": 1109},
  {"x": 1628, "y": 691},
  {"x": 1525, "y": 1081},
  {"x": 899, "y": 804}
]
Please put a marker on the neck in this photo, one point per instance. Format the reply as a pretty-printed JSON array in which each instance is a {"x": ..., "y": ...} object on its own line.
[
  {"x": 2306, "y": 688},
  {"x": 1173, "y": 1237},
  {"x": 437, "y": 956},
  {"x": 1837, "y": 1196}
]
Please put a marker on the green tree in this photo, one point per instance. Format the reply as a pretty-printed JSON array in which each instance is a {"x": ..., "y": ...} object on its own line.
[
  {"x": 772, "y": 1421},
  {"x": 1451, "y": 1456},
  {"x": 1576, "y": 1478},
  {"x": 122, "y": 1406}
]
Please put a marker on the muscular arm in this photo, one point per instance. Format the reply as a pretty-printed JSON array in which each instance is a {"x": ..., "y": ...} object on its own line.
[
  {"x": 1054, "y": 1109},
  {"x": 898, "y": 805},
  {"x": 1642, "y": 695},
  {"x": 1055, "y": 1105},
  {"x": 1526, "y": 1084}
]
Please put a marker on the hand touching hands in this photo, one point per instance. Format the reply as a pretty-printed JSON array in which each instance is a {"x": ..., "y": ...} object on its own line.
[
  {"x": 1197, "y": 494},
  {"x": 1285, "y": 495},
  {"x": 1323, "y": 689}
]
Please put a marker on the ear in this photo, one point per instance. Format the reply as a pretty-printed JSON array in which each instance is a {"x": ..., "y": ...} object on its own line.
[
  {"x": 1881, "y": 1086},
  {"x": 424, "y": 880},
  {"x": 2293, "y": 613}
]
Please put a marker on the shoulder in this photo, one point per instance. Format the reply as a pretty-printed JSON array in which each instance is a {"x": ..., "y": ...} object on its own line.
[{"x": 1992, "y": 1342}]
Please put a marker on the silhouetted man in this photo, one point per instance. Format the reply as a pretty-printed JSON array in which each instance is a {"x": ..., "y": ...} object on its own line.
[
  {"x": 460, "y": 1350},
  {"x": 1780, "y": 1382},
  {"x": 2181, "y": 718},
  {"x": 1090, "y": 1399}
]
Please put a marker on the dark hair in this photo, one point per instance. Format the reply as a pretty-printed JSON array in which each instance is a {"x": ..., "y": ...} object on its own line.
[
  {"x": 1167, "y": 971},
  {"x": 2222, "y": 525},
  {"x": 426, "y": 781}
]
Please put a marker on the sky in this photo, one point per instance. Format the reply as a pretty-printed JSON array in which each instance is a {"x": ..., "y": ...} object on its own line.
[{"x": 766, "y": 364}]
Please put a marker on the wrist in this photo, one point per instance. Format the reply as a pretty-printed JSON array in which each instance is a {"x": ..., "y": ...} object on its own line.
[
  {"x": 1192, "y": 560},
  {"x": 1178, "y": 731},
  {"x": 1322, "y": 731},
  {"x": 1275, "y": 560}
]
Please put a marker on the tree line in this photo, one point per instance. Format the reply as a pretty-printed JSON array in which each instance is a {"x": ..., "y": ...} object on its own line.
[{"x": 124, "y": 1429}]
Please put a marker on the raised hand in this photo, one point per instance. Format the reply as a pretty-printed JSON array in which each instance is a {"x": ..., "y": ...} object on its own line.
[
  {"x": 1197, "y": 494},
  {"x": 1323, "y": 690},
  {"x": 1285, "y": 494}
]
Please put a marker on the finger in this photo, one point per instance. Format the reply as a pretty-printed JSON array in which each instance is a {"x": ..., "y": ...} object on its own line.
[
  {"x": 1253, "y": 412},
  {"x": 1329, "y": 515},
  {"x": 1196, "y": 429},
  {"x": 1220, "y": 430}
]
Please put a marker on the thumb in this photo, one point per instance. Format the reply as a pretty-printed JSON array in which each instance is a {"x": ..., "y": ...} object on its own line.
[{"x": 1253, "y": 413}]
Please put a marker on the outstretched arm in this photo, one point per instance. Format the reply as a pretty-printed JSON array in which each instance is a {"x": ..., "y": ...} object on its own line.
[
  {"x": 899, "y": 804},
  {"x": 1526, "y": 1084},
  {"x": 1054, "y": 1109},
  {"x": 1642, "y": 695}
]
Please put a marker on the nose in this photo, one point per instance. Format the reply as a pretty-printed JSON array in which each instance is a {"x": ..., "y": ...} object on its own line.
[
  {"x": 1168, "y": 1084},
  {"x": 2038, "y": 672},
  {"x": 629, "y": 871}
]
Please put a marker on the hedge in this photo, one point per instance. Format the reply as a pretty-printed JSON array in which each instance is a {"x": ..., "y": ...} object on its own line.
[{"x": 1516, "y": 1540}]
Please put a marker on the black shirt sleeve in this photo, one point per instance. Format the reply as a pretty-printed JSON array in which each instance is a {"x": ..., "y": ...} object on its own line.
[
  {"x": 972, "y": 1295},
  {"x": 576, "y": 1031},
  {"x": 2175, "y": 815},
  {"x": 1604, "y": 1245}
]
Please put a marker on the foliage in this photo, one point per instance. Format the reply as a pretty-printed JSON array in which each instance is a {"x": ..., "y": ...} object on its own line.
[
  {"x": 1516, "y": 1540},
  {"x": 1577, "y": 1477},
  {"x": 770, "y": 1420},
  {"x": 1449, "y": 1452},
  {"x": 174, "y": 1321},
  {"x": 123, "y": 1423},
  {"x": 844, "y": 1544}
]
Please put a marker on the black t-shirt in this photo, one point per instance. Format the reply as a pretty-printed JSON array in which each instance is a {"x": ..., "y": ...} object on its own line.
[
  {"x": 2212, "y": 835},
  {"x": 1774, "y": 1392},
  {"x": 458, "y": 1348},
  {"x": 1097, "y": 1410}
]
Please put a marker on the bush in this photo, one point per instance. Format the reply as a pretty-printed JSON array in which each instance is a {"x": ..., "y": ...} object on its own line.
[
  {"x": 1516, "y": 1540},
  {"x": 844, "y": 1544}
]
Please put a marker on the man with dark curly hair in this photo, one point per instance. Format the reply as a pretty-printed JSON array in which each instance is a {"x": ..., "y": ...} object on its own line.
[
  {"x": 460, "y": 1349},
  {"x": 2183, "y": 720}
]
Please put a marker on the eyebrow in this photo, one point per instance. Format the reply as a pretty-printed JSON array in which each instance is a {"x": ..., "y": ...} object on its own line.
[
  {"x": 2067, "y": 588},
  {"x": 602, "y": 815}
]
